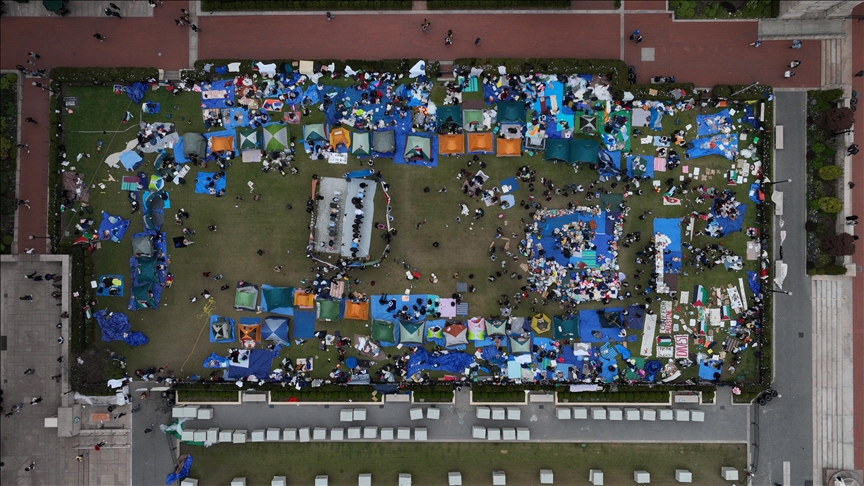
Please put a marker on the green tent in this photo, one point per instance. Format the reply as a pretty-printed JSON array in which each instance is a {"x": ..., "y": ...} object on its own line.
[
  {"x": 360, "y": 144},
  {"x": 249, "y": 139},
  {"x": 278, "y": 297},
  {"x": 147, "y": 270},
  {"x": 410, "y": 333},
  {"x": 328, "y": 310},
  {"x": 275, "y": 137},
  {"x": 511, "y": 111},
  {"x": 52, "y": 5},
  {"x": 472, "y": 119},
  {"x": 314, "y": 132},
  {"x": 449, "y": 114},
  {"x": 584, "y": 150},
  {"x": 246, "y": 297},
  {"x": 565, "y": 329},
  {"x": 496, "y": 327},
  {"x": 383, "y": 331},
  {"x": 520, "y": 343},
  {"x": 142, "y": 298},
  {"x": 418, "y": 148},
  {"x": 557, "y": 150}
]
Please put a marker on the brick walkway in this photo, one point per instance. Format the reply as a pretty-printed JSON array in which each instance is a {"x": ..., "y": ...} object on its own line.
[{"x": 858, "y": 208}]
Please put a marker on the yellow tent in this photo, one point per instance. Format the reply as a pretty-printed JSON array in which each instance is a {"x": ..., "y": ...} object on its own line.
[
  {"x": 541, "y": 323},
  {"x": 340, "y": 136}
]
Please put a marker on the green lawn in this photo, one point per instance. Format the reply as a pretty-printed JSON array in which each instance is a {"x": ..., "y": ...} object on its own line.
[
  {"x": 429, "y": 463},
  {"x": 180, "y": 338}
]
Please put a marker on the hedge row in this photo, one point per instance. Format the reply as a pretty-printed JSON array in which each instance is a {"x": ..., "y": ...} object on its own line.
[
  {"x": 832, "y": 269},
  {"x": 105, "y": 75},
  {"x": 247, "y": 67},
  {"x": 497, "y": 4},
  {"x": 324, "y": 393},
  {"x": 303, "y": 5}
]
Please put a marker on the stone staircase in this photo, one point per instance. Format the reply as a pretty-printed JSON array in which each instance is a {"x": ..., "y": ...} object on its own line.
[
  {"x": 833, "y": 409},
  {"x": 836, "y": 62},
  {"x": 169, "y": 75},
  {"x": 445, "y": 71}
]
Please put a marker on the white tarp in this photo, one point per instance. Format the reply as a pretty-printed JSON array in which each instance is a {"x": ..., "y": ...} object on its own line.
[
  {"x": 268, "y": 69},
  {"x": 418, "y": 69},
  {"x": 780, "y": 270},
  {"x": 649, "y": 328},
  {"x": 777, "y": 199}
]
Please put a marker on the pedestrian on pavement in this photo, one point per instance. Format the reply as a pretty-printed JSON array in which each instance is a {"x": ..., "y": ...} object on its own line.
[
  {"x": 854, "y": 217},
  {"x": 185, "y": 12},
  {"x": 447, "y": 41},
  {"x": 449, "y": 33},
  {"x": 859, "y": 74},
  {"x": 120, "y": 415},
  {"x": 31, "y": 120},
  {"x": 26, "y": 297},
  {"x": 195, "y": 28},
  {"x": 152, "y": 3},
  {"x": 35, "y": 400},
  {"x": 108, "y": 12},
  {"x": 30, "y": 251},
  {"x": 21, "y": 68},
  {"x": 60, "y": 359},
  {"x": 179, "y": 22},
  {"x": 99, "y": 37},
  {"x": 757, "y": 43},
  {"x": 329, "y": 16},
  {"x": 851, "y": 223},
  {"x": 796, "y": 44},
  {"x": 788, "y": 74},
  {"x": 635, "y": 34},
  {"x": 115, "y": 7},
  {"x": 477, "y": 42},
  {"x": 425, "y": 26},
  {"x": 24, "y": 202},
  {"x": 31, "y": 467},
  {"x": 638, "y": 39},
  {"x": 33, "y": 55},
  {"x": 24, "y": 146},
  {"x": 29, "y": 371},
  {"x": 851, "y": 185},
  {"x": 149, "y": 429},
  {"x": 794, "y": 64},
  {"x": 116, "y": 14},
  {"x": 56, "y": 377},
  {"x": 136, "y": 408},
  {"x": 851, "y": 150}
]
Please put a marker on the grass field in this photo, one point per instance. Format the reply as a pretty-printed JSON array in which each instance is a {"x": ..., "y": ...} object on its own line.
[
  {"x": 429, "y": 463},
  {"x": 179, "y": 338}
]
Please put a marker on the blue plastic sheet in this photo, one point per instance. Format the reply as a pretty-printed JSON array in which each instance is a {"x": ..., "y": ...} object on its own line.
[
  {"x": 184, "y": 471},
  {"x": 711, "y": 124},
  {"x": 113, "y": 327},
  {"x": 211, "y": 98},
  {"x": 710, "y": 370},
  {"x": 454, "y": 362},
  {"x": 215, "y": 361},
  {"x": 753, "y": 282},
  {"x": 112, "y": 227},
  {"x": 204, "y": 180},
  {"x": 259, "y": 363},
  {"x": 136, "y": 92},
  {"x": 722, "y": 144},
  {"x": 136, "y": 338},
  {"x": 728, "y": 225}
]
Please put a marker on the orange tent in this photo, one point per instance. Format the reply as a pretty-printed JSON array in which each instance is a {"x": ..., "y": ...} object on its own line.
[
  {"x": 221, "y": 144},
  {"x": 451, "y": 144},
  {"x": 480, "y": 143},
  {"x": 304, "y": 300},
  {"x": 358, "y": 311},
  {"x": 249, "y": 334},
  {"x": 509, "y": 147}
]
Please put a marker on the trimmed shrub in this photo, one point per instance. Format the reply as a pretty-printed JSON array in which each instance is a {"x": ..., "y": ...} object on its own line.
[
  {"x": 838, "y": 119},
  {"x": 830, "y": 172},
  {"x": 830, "y": 205},
  {"x": 839, "y": 245},
  {"x": 722, "y": 91}
]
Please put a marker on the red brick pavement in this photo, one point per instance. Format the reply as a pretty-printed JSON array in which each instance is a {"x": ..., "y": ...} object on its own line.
[
  {"x": 33, "y": 182},
  {"x": 858, "y": 208}
]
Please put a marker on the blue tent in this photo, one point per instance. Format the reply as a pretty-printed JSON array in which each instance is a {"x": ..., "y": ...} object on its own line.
[
  {"x": 221, "y": 329},
  {"x": 275, "y": 329}
]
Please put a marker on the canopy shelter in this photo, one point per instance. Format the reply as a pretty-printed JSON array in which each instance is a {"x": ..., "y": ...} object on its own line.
[
  {"x": 275, "y": 329},
  {"x": 142, "y": 246},
  {"x": 520, "y": 343},
  {"x": 314, "y": 132},
  {"x": 221, "y": 144},
  {"x": 496, "y": 327},
  {"x": 455, "y": 335},
  {"x": 451, "y": 144},
  {"x": 303, "y": 300},
  {"x": 565, "y": 328},
  {"x": 249, "y": 331},
  {"x": 361, "y": 144},
  {"x": 476, "y": 329},
  {"x": 540, "y": 323},
  {"x": 511, "y": 111},
  {"x": 418, "y": 149},
  {"x": 327, "y": 310},
  {"x": 411, "y": 334},
  {"x": 557, "y": 150},
  {"x": 583, "y": 150},
  {"x": 480, "y": 143},
  {"x": 384, "y": 143},
  {"x": 357, "y": 310},
  {"x": 472, "y": 120},
  {"x": 246, "y": 296},
  {"x": 384, "y": 332},
  {"x": 142, "y": 297},
  {"x": 277, "y": 300},
  {"x": 221, "y": 329},
  {"x": 508, "y": 147},
  {"x": 275, "y": 137},
  {"x": 340, "y": 137},
  {"x": 449, "y": 115}
]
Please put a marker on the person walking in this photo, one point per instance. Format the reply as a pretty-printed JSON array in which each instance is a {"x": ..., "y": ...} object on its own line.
[
  {"x": 859, "y": 74},
  {"x": 179, "y": 22},
  {"x": 195, "y": 28},
  {"x": 447, "y": 41},
  {"x": 788, "y": 74},
  {"x": 24, "y": 202},
  {"x": 329, "y": 16},
  {"x": 757, "y": 43},
  {"x": 31, "y": 467},
  {"x": 796, "y": 44},
  {"x": 24, "y": 146},
  {"x": 424, "y": 27},
  {"x": 99, "y": 37},
  {"x": 35, "y": 400},
  {"x": 635, "y": 34},
  {"x": 477, "y": 42},
  {"x": 28, "y": 297},
  {"x": 638, "y": 39},
  {"x": 851, "y": 150},
  {"x": 794, "y": 64},
  {"x": 34, "y": 55},
  {"x": 149, "y": 429},
  {"x": 29, "y": 371},
  {"x": 31, "y": 120}
]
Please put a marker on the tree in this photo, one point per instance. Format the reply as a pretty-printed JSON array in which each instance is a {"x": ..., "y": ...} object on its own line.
[
  {"x": 838, "y": 119},
  {"x": 839, "y": 245},
  {"x": 830, "y": 205},
  {"x": 830, "y": 172}
]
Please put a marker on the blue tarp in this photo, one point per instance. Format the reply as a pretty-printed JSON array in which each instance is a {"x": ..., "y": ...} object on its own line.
[
  {"x": 115, "y": 326},
  {"x": 454, "y": 362},
  {"x": 106, "y": 284},
  {"x": 749, "y": 118},
  {"x": 755, "y": 193},
  {"x": 711, "y": 124},
  {"x": 215, "y": 361},
  {"x": 136, "y": 92},
  {"x": 707, "y": 370},
  {"x": 645, "y": 161},
  {"x": 217, "y": 100},
  {"x": 726, "y": 224},
  {"x": 112, "y": 227},
  {"x": 304, "y": 324},
  {"x": 227, "y": 337},
  {"x": 204, "y": 182},
  {"x": 179, "y": 156},
  {"x": 184, "y": 471},
  {"x": 655, "y": 122},
  {"x": 589, "y": 322},
  {"x": 753, "y": 282},
  {"x": 722, "y": 144},
  {"x": 670, "y": 227},
  {"x": 130, "y": 160},
  {"x": 259, "y": 363}
]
